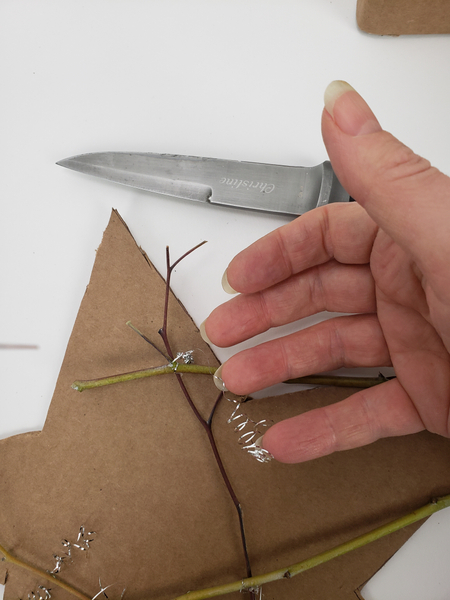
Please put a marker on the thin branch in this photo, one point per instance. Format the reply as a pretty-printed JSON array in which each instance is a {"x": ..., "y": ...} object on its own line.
[
  {"x": 144, "y": 337},
  {"x": 304, "y": 565},
  {"x": 172, "y": 367},
  {"x": 207, "y": 425},
  {"x": 340, "y": 381},
  {"x": 232, "y": 494},
  {"x": 169, "y": 269},
  {"x": 176, "y": 367},
  {"x": 8, "y": 557},
  {"x": 216, "y": 404},
  {"x": 186, "y": 254},
  {"x": 163, "y": 331}
]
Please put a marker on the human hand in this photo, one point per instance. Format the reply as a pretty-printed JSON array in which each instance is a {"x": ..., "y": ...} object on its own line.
[{"x": 384, "y": 258}]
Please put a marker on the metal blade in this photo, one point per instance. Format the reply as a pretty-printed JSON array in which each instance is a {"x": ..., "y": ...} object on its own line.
[{"x": 257, "y": 186}]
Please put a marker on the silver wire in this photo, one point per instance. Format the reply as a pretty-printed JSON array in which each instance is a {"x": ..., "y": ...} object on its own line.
[
  {"x": 82, "y": 543},
  {"x": 250, "y": 431}
]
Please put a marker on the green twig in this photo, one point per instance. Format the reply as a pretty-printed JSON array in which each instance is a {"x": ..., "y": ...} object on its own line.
[
  {"x": 173, "y": 367},
  {"x": 284, "y": 573},
  {"x": 8, "y": 557},
  {"x": 340, "y": 381},
  {"x": 296, "y": 569}
]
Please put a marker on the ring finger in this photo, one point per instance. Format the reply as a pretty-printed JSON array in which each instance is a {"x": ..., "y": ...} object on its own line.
[{"x": 349, "y": 341}]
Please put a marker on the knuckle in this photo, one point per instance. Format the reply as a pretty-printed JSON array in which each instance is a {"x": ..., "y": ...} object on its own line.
[
  {"x": 336, "y": 345},
  {"x": 326, "y": 228},
  {"x": 285, "y": 268},
  {"x": 263, "y": 316},
  {"x": 317, "y": 295}
]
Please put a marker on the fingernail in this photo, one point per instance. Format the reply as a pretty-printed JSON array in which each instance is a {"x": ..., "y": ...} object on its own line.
[
  {"x": 259, "y": 442},
  {"x": 203, "y": 333},
  {"x": 334, "y": 91},
  {"x": 350, "y": 111},
  {"x": 226, "y": 286},
  {"x": 218, "y": 381}
]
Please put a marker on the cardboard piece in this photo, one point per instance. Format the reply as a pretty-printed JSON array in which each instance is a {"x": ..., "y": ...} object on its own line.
[
  {"x": 131, "y": 462},
  {"x": 403, "y": 17}
]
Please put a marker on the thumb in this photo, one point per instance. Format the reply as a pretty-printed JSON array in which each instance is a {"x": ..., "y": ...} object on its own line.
[{"x": 402, "y": 192}]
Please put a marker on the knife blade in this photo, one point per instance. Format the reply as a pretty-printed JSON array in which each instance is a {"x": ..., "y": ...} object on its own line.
[{"x": 285, "y": 190}]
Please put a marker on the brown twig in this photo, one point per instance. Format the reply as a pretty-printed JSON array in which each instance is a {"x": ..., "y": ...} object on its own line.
[{"x": 206, "y": 424}]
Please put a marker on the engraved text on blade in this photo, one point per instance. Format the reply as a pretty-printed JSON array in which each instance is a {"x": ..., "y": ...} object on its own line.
[{"x": 260, "y": 186}]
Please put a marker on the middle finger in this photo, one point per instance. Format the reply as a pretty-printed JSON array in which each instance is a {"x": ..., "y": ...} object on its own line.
[
  {"x": 332, "y": 287},
  {"x": 348, "y": 341}
]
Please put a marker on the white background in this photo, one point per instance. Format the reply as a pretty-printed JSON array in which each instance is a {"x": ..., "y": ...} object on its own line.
[{"x": 230, "y": 79}]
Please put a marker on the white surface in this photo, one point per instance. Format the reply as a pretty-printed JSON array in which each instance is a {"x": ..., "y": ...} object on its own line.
[{"x": 227, "y": 79}]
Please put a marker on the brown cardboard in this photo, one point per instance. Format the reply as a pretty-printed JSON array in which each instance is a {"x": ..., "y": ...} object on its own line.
[
  {"x": 403, "y": 17},
  {"x": 131, "y": 462}
]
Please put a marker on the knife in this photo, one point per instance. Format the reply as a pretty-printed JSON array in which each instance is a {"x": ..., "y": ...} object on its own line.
[{"x": 283, "y": 190}]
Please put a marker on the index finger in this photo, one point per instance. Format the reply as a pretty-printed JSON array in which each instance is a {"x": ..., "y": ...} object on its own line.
[{"x": 341, "y": 231}]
